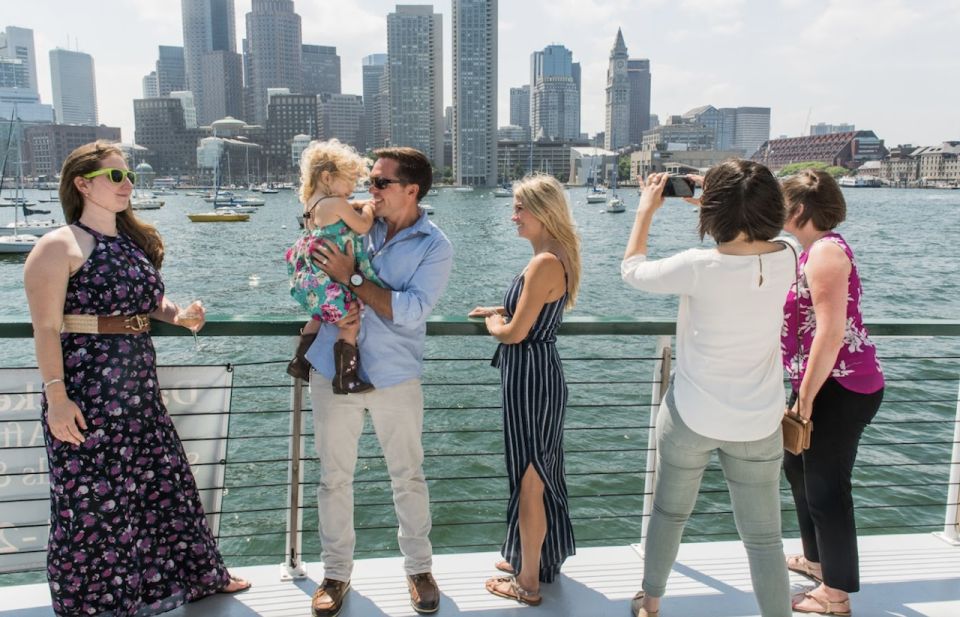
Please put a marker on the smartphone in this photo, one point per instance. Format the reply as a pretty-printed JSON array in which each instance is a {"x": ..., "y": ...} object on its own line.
[{"x": 678, "y": 186}]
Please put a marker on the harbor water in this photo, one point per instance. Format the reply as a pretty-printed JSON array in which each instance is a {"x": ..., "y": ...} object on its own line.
[{"x": 905, "y": 244}]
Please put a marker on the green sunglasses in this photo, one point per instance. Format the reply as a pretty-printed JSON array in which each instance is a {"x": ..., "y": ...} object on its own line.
[{"x": 116, "y": 175}]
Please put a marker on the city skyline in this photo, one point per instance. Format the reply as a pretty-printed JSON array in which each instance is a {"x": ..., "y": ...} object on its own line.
[{"x": 809, "y": 61}]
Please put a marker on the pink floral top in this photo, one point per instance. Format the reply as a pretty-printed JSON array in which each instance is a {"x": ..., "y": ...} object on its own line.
[{"x": 857, "y": 367}]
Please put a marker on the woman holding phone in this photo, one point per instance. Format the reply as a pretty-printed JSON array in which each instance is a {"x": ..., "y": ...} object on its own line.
[{"x": 726, "y": 395}]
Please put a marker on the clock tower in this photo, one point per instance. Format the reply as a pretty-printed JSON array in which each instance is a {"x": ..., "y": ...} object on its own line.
[{"x": 617, "y": 123}]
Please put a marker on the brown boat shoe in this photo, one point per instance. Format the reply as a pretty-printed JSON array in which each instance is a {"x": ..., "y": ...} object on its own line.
[
  {"x": 424, "y": 593},
  {"x": 328, "y": 598}
]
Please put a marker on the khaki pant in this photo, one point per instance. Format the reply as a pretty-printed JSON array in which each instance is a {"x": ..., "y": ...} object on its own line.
[{"x": 397, "y": 415}]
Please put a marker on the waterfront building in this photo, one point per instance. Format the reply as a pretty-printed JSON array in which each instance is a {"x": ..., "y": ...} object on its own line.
[
  {"x": 160, "y": 127},
  {"x": 28, "y": 107},
  {"x": 591, "y": 165},
  {"x": 208, "y": 26},
  {"x": 520, "y": 108},
  {"x": 517, "y": 158},
  {"x": 189, "y": 107},
  {"x": 900, "y": 167},
  {"x": 16, "y": 45},
  {"x": 340, "y": 117},
  {"x": 171, "y": 70},
  {"x": 275, "y": 51},
  {"x": 711, "y": 117},
  {"x": 554, "y": 94},
  {"x": 939, "y": 164},
  {"x": 320, "y": 66},
  {"x": 74, "y": 87},
  {"x": 646, "y": 161},
  {"x": 374, "y": 66},
  {"x": 149, "y": 86},
  {"x": 848, "y": 150},
  {"x": 222, "y": 72},
  {"x": 46, "y": 146},
  {"x": 236, "y": 160},
  {"x": 617, "y": 117},
  {"x": 289, "y": 115},
  {"x": 415, "y": 73},
  {"x": 475, "y": 92},
  {"x": 821, "y": 128}
]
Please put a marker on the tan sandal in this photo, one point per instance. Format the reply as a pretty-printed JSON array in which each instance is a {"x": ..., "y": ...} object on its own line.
[
  {"x": 514, "y": 592},
  {"x": 241, "y": 585},
  {"x": 826, "y": 606},
  {"x": 800, "y": 565},
  {"x": 636, "y": 606}
]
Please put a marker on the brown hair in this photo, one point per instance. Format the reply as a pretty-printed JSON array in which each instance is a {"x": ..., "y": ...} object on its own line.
[
  {"x": 86, "y": 159},
  {"x": 741, "y": 196},
  {"x": 543, "y": 197},
  {"x": 813, "y": 195},
  {"x": 340, "y": 159},
  {"x": 414, "y": 167}
]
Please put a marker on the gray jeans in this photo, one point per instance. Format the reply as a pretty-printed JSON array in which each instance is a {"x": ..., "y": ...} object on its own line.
[{"x": 752, "y": 472}]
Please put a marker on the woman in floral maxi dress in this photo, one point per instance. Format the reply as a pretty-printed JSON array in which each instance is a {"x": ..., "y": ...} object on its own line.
[{"x": 128, "y": 535}]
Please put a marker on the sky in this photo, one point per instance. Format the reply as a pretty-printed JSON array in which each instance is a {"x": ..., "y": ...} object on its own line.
[{"x": 891, "y": 66}]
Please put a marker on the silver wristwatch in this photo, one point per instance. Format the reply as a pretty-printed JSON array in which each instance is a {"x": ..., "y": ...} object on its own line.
[{"x": 356, "y": 279}]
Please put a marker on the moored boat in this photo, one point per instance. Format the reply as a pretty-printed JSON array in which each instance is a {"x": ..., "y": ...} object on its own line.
[{"x": 226, "y": 215}]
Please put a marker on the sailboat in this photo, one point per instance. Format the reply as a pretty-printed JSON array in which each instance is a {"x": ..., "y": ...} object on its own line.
[
  {"x": 615, "y": 204},
  {"x": 14, "y": 241},
  {"x": 225, "y": 208}
]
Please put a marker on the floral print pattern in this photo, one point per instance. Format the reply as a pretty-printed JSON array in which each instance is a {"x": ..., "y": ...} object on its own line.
[
  {"x": 310, "y": 286},
  {"x": 128, "y": 535},
  {"x": 857, "y": 367}
]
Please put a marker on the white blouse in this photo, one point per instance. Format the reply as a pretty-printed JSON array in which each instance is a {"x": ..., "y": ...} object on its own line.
[{"x": 728, "y": 381}]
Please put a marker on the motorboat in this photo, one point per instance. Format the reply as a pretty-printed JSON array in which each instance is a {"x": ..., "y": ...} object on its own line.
[
  {"x": 236, "y": 208},
  {"x": 502, "y": 191},
  {"x": 225, "y": 215},
  {"x": 145, "y": 201},
  {"x": 596, "y": 195},
  {"x": 463, "y": 189},
  {"x": 427, "y": 208}
]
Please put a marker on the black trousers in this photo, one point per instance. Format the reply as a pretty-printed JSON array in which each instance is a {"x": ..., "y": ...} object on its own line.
[{"x": 820, "y": 480}]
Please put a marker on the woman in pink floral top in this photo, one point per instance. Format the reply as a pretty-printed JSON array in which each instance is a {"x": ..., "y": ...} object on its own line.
[{"x": 837, "y": 381}]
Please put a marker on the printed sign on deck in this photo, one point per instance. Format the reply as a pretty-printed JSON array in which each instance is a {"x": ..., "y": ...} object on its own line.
[{"x": 198, "y": 399}]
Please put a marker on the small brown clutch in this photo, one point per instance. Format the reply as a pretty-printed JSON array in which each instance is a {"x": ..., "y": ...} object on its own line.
[{"x": 796, "y": 432}]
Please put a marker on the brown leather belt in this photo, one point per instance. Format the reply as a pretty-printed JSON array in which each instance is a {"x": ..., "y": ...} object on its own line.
[{"x": 106, "y": 324}]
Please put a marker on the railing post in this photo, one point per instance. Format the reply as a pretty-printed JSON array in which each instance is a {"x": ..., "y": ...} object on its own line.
[
  {"x": 292, "y": 566},
  {"x": 661, "y": 376},
  {"x": 951, "y": 522}
]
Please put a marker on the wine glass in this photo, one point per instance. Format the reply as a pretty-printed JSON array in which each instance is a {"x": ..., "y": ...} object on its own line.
[{"x": 192, "y": 318}]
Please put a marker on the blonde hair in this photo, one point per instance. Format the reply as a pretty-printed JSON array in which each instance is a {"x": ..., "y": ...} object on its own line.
[
  {"x": 544, "y": 198},
  {"x": 340, "y": 159}
]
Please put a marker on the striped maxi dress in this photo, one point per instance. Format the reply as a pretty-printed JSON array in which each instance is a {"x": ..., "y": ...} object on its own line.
[{"x": 534, "y": 399}]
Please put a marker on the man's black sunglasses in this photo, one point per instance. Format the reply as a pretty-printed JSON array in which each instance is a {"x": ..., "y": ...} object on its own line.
[{"x": 382, "y": 183}]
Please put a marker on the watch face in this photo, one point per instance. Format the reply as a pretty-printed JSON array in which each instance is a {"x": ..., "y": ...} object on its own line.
[
  {"x": 619, "y": 64},
  {"x": 356, "y": 280}
]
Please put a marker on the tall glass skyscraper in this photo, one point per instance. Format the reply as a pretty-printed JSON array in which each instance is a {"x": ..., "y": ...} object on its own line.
[
  {"x": 74, "y": 87},
  {"x": 475, "y": 92}
]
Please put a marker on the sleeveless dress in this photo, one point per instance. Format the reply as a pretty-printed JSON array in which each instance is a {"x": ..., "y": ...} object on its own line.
[
  {"x": 128, "y": 535},
  {"x": 857, "y": 368},
  {"x": 534, "y": 399},
  {"x": 310, "y": 286}
]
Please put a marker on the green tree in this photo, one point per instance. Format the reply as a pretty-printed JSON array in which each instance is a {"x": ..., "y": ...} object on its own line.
[
  {"x": 623, "y": 168},
  {"x": 793, "y": 168}
]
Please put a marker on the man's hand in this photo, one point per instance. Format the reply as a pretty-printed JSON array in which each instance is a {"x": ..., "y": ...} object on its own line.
[{"x": 337, "y": 264}]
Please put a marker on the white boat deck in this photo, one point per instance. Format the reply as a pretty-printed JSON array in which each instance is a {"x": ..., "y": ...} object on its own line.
[{"x": 915, "y": 575}]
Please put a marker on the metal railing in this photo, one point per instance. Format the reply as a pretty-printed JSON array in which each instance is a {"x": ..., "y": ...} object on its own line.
[{"x": 907, "y": 477}]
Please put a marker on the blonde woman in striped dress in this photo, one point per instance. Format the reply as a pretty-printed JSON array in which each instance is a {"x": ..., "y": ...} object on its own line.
[{"x": 534, "y": 391}]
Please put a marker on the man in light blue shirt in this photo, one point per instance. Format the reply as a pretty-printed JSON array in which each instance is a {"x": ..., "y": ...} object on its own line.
[{"x": 413, "y": 260}]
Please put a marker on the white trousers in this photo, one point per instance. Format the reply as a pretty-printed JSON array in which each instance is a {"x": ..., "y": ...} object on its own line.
[{"x": 397, "y": 415}]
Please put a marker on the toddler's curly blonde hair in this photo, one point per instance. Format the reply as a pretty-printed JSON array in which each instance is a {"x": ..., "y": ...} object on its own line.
[{"x": 340, "y": 159}]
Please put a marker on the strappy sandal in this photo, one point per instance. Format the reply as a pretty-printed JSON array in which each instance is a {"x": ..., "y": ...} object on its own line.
[
  {"x": 800, "y": 565},
  {"x": 516, "y": 592},
  {"x": 636, "y": 606},
  {"x": 504, "y": 566},
  {"x": 244, "y": 585},
  {"x": 826, "y": 606}
]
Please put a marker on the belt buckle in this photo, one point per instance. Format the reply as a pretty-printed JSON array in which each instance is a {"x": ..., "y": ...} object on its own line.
[{"x": 137, "y": 323}]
